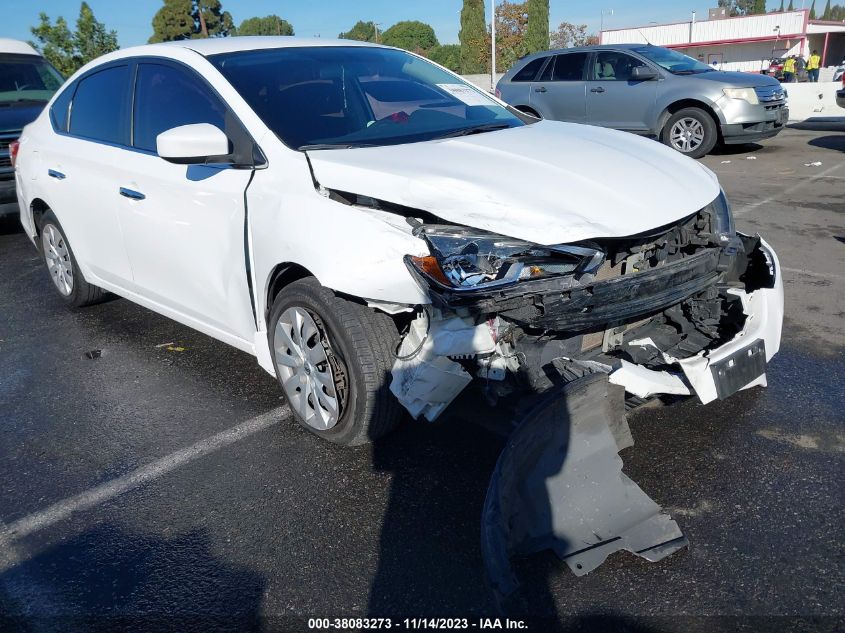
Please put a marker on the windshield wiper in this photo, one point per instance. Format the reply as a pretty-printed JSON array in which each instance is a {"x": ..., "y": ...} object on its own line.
[
  {"x": 318, "y": 146},
  {"x": 478, "y": 129},
  {"x": 691, "y": 71}
]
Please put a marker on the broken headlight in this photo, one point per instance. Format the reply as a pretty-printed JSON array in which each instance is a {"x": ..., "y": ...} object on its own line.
[
  {"x": 721, "y": 218},
  {"x": 464, "y": 259}
]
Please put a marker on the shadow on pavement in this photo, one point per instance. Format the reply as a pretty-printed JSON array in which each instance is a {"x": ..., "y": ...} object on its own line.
[
  {"x": 733, "y": 150},
  {"x": 834, "y": 142},
  {"x": 106, "y": 579},
  {"x": 821, "y": 124}
]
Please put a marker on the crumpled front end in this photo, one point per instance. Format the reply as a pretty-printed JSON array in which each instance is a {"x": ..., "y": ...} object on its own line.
[
  {"x": 684, "y": 311},
  {"x": 575, "y": 335}
]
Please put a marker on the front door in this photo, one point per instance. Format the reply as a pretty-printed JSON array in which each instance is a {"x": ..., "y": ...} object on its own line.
[
  {"x": 184, "y": 224},
  {"x": 559, "y": 93},
  {"x": 613, "y": 98}
]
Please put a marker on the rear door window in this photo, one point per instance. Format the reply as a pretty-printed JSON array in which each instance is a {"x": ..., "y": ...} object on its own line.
[
  {"x": 568, "y": 67},
  {"x": 530, "y": 71},
  {"x": 60, "y": 110},
  {"x": 168, "y": 97},
  {"x": 100, "y": 110}
]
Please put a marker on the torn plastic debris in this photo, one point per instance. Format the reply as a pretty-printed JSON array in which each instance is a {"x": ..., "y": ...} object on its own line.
[
  {"x": 425, "y": 379},
  {"x": 559, "y": 485}
]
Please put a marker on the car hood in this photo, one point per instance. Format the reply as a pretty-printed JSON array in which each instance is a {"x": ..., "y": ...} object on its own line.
[
  {"x": 547, "y": 183},
  {"x": 14, "y": 116},
  {"x": 741, "y": 80}
]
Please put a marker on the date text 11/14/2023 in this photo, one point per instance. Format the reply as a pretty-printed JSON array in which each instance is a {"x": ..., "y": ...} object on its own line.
[{"x": 416, "y": 624}]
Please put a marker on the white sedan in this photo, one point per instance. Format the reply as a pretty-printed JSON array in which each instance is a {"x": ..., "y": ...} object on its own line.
[{"x": 379, "y": 233}]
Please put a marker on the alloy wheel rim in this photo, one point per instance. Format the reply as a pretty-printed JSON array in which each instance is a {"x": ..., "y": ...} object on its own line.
[
  {"x": 57, "y": 256},
  {"x": 306, "y": 373},
  {"x": 687, "y": 134}
]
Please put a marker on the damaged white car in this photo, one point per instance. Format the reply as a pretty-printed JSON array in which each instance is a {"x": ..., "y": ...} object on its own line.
[{"x": 379, "y": 233}]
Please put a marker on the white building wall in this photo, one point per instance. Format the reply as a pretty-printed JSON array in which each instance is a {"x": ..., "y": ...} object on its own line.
[
  {"x": 751, "y": 57},
  {"x": 758, "y": 26}
]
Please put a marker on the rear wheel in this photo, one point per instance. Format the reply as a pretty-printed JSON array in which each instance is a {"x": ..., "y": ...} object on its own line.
[
  {"x": 62, "y": 266},
  {"x": 690, "y": 131},
  {"x": 333, "y": 360}
]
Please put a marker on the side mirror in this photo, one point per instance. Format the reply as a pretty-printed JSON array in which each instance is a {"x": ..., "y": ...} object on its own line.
[
  {"x": 192, "y": 144},
  {"x": 643, "y": 73}
]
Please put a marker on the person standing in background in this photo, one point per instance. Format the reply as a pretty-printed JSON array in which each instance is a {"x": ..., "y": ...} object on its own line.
[
  {"x": 789, "y": 70},
  {"x": 813, "y": 67}
]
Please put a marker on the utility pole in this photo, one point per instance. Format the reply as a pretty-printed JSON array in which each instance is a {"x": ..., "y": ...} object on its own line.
[
  {"x": 601, "y": 28},
  {"x": 375, "y": 26},
  {"x": 493, "y": 45}
]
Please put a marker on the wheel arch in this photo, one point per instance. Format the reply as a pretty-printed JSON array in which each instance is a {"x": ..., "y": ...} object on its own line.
[
  {"x": 281, "y": 276},
  {"x": 680, "y": 104},
  {"x": 37, "y": 208}
]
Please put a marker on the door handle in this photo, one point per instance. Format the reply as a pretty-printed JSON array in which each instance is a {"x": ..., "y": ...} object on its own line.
[
  {"x": 133, "y": 195},
  {"x": 599, "y": 89},
  {"x": 56, "y": 174},
  {"x": 540, "y": 89}
]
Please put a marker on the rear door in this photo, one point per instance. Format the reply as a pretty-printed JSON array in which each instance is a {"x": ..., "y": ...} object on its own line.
[
  {"x": 79, "y": 170},
  {"x": 613, "y": 98},
  {"x": 560, "y": 91},
  {"x": 184, "y": 225}
]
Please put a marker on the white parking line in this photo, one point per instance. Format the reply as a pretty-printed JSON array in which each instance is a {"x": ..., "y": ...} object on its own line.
[
  {"x": 780, "y": 194},
  {"x": 109, "y": 490}
]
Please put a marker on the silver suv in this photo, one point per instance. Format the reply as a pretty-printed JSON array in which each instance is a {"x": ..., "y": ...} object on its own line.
[{"x": 648, "y": 90}]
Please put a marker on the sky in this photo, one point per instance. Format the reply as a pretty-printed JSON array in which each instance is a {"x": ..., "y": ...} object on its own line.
[{"x": 326, "y": 18}]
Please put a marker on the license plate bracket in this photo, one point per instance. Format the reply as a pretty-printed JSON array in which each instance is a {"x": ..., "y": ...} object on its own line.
[{"x": 739, "y": 369}]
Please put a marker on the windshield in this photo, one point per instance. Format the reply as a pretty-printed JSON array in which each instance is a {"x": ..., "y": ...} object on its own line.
[
  {"x": 676, "y": 63},
  {"x": 27, "y": 78},
  {"x": 328, "y": 97}
]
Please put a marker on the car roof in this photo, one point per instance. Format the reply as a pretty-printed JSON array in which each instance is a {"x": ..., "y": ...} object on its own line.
[
  {"x": 598, "y": 47},
  {"x": 217, "y": 45},
  {"x": 16, "y": 47}
]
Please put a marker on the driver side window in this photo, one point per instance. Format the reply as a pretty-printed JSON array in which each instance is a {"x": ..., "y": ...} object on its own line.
[
  {"x": 167, "y": 97},
  {"x": 613, "y": 66}
]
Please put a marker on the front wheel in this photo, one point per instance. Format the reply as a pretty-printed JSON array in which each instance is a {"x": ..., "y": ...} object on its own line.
[
  {"x": 690, "y": 131},
  {"x": 333, "y": 359}
]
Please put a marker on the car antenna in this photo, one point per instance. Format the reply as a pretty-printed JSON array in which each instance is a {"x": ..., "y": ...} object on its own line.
[{"x": 644, "y": 37}]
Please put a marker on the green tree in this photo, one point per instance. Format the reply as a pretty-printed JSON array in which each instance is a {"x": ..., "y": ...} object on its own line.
[
  {"x": 791, "y": 6},
  {"x": 362, "y": 31},
  {"x": 411, "y": 35},
  {"x": 567, "y": 35},
  {"x": 743, "y": 7},
  {"x": 448, "y": 55},
  {"x": 268, "y": 25},
  {"x": 813, "y": 10},
  {"x": 69, "y": 50},
  {"x": 190, "y": 19},
  {"x": 826, "y": 14},
  {"x": 473, "y": 38},
  {"x": 537, "y": 34},
  {"x": 781, "y": 7},
  {"x": 511, "y": 28}
]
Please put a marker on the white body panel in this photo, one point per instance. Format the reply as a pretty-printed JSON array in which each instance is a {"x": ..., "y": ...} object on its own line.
[
  {"x": 548, "y": 183},
  {"x": 201, "y": 236}
]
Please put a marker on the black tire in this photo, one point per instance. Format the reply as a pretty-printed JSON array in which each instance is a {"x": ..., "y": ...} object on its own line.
[
  {"x": 364, "y": 342},
  {"x": 82, "y": 293},
  {"x": 710, "y": 136}
]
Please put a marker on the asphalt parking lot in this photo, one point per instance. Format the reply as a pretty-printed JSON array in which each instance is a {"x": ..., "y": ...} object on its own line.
[{"x": 149, "y": 475}]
